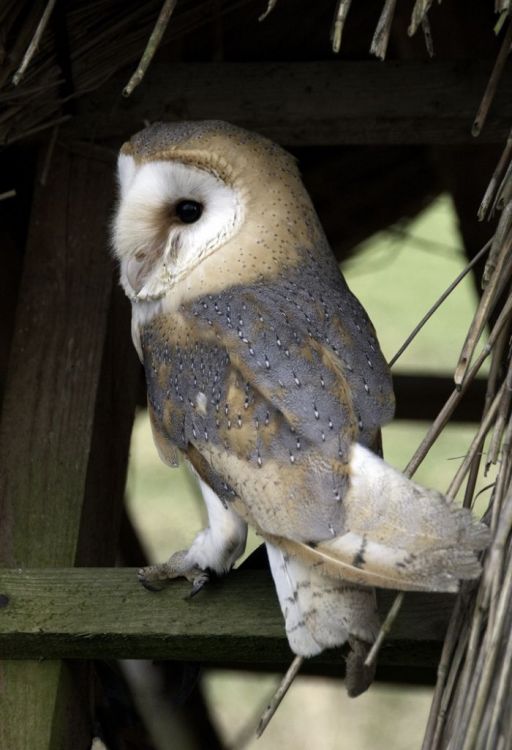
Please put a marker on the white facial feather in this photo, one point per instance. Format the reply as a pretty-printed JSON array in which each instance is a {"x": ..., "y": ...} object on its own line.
[{"x": 155, "y": 251}]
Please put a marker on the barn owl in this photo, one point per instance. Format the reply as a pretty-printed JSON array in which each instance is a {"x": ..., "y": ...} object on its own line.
[{"x": 265, "y": 373}]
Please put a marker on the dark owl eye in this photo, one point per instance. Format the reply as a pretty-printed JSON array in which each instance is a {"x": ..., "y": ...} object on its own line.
[{"x": 189, "y": 211}]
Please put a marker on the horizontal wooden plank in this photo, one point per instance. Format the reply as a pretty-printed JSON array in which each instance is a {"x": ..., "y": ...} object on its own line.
[
  {"x": 421, "y": 397},
  {"x": 105, "y": 613},
  {"x": 309, "y": 103}
]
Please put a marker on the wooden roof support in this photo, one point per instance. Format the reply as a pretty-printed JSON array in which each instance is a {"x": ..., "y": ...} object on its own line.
[
  {"x": 61, "y": 391},
  {"x": 309, "y": 103}
]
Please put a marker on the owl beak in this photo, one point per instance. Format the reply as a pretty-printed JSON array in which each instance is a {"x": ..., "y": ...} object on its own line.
[{"x": 135, "y": 274}]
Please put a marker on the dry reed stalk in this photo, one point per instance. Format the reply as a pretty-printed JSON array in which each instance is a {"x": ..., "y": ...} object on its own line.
[
  {"x": 380, "y": 39},
  {"x": 34, "y": 43},
  {"x": 439, "y": 703},
  {"x": 484, "y": 428},
  {"x": 491, "y": 294},
  {"x": 385, "y": 629},
  {"x": 270, "y": 7},
  {"x": 492, "y": 85},
  {"x": 419, "y": 12},
  {"x": 501, "y": 420},
  {"x": 427, "y": 34},
  {"x": 490, "y": 652},
  {"x": 504, "y": 224},
  {"x": 495, "y": 179},
  {"x": 438, "y": 425},
  {"x": 152, "y": 46},
  {"x": 437, "y": 304},
  {"x": 279, "y": 694},
  {"x": 492, "y": 384},
  {"x": 338, "y": 24},
  {"x": 471, "y": 709},
  {"x": 104, "y": 35}
]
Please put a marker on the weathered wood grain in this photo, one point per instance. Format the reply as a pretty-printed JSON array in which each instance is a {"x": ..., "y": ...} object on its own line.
[
  {"x": 310, "y": 103},
  {"x": 105, "y": 613},
  {"x": 47, "y": 431},
  {"x": 54, "y": 366}
]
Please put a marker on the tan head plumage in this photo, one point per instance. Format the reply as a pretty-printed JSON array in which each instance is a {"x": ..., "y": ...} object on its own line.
[{"x": 253, "y": 205}]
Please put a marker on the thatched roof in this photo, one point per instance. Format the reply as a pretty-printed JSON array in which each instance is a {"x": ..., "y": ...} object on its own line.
[{"x": 54, "y": 53}]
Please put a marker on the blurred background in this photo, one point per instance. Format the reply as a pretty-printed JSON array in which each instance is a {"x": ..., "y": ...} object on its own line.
[{"x": 397, "y": 274}]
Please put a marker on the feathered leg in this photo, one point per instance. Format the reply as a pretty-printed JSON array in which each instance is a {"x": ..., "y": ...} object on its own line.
[
  {"x": 321, "y": 612},
  {"x": 215, "y": 548}
]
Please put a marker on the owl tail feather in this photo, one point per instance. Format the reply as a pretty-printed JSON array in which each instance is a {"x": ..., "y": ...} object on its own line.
[
  {"x": 397, "y": 534},
  {"x": 323, "y": 613},
  {"x": 320, "y": 612}
]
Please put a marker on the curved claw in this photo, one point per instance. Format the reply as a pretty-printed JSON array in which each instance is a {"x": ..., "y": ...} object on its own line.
[
  {"x": 149, "y": 585},
  {"x": 154, "y": 577},
  {"x": 198, "y": 583}
]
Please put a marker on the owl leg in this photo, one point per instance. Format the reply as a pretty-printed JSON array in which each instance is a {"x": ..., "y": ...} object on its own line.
[{"x": 215, "y": 548}]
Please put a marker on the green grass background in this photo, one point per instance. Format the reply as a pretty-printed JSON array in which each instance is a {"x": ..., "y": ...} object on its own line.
[{"x": 397, "y": 275}]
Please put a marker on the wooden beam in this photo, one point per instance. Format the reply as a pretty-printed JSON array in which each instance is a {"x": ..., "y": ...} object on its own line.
[
  {"x": 309, "y": 103},
  {"x": 421, "y": 397},
  {"x": 49, "y": 437},
  {"x": 105, "y": 613}
]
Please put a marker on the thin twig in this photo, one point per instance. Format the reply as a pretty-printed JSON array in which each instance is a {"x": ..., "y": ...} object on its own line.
[
  {"x": 501, "y": 421},
  {"x": 440, "y": 301},
  {"x": 460, "y": 642},
  {"x": 490, "y": 392},
  {"x": 504, "y": 194},
  {"x": 279, "y": 694},
  {"x": 488, "y": 300},
  {"x": 152, "y": 46},
  {"x": 458, "y": 393},
  {"x": 270, "y": 7},
  {"x": 484, "y": 428},
  {"x": 435, "y": 715},
  {"x": 427, "y": 34},
  {"x": 338, "y": 25},
  {"x": 506, "y": 666},
  {"x": 495, "y": 179},
  {"x": 425, "y": 446},
  {"x": 504, "y": 224},
  {"x": 492, "y": 85},
  {"x": 474, "y": 470},
  {"x": 502, "y": 478},
  {"x": 8, "y": 194},
  {"x": 380, "y": 39},
  {"x": 497, "y": 556},
  {"x": 420, "y": 10},
  {"x": 501, "y": 20},
  {"x": 475, "y": 716},
  {"x": 34, "y": 44},
  {"x": 384, "y": 629},
  {"x": 39, "y": 128}
]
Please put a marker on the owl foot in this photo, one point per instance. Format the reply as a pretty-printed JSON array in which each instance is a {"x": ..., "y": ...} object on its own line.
[{"x": 154, "y": 577}]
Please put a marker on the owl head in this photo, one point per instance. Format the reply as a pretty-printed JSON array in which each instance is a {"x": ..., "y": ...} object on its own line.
[{"x": 203, "y": 204}]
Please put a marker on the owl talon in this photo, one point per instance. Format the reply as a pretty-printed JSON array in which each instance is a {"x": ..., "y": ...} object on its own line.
[
  {"x": 198, "y": 583},
  {"x": 154, "y": 577},
  {"x": 147, "y": 583}
]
